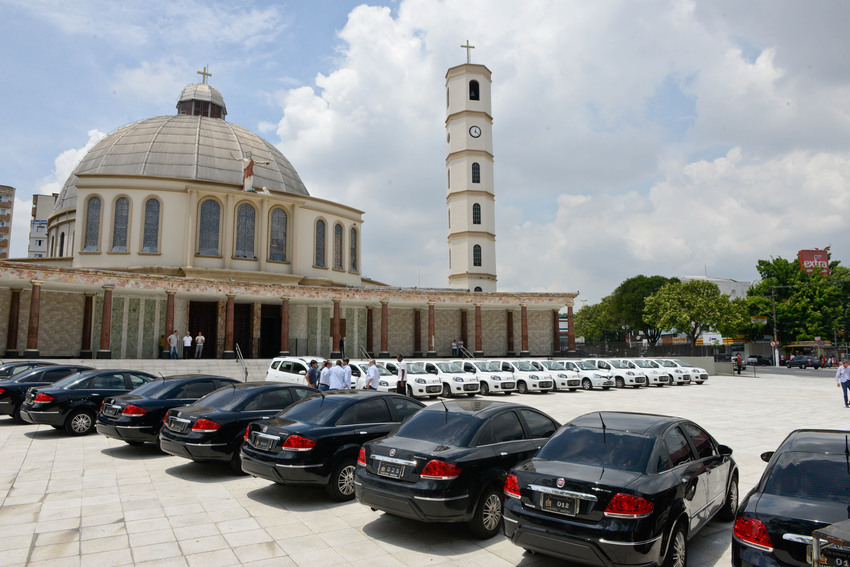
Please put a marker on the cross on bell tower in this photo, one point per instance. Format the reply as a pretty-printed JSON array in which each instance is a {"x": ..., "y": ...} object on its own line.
[
  {"x": 468, "y": 47},
  {"x": 204, "y": 73}
]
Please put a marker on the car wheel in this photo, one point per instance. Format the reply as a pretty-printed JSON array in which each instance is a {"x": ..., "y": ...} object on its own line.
[
  {"x": 488, "y": 514},
  {"x": 803, "y": 366},
  {"x": 80, "y": 422},
  {"x": 341, "y": 485},
  {"x": 586, "y": 384},
  {"x": 619, "y": 382},
  {"x": 677, "y": 550},
  {"x": 521, "y": 387},
  {"x": 16, "y": 414},
  {"x": 447, "y": 392},
  {"x": 236, "y": 460},
  {"x": 730, "y": 506},
  {"x": 787, "y": 365},
  {"x": 485, "y": 389},
  {"x": 409, "y": 392}
]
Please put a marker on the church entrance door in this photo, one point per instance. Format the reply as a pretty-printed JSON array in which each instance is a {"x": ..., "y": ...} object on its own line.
[
  {"x": 242, "y": 328},
  {"x": 203, "y": 316},
  {"x": 270, "y": 331}
]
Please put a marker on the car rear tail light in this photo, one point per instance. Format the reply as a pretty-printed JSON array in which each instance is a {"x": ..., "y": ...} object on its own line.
[
  {"x": 440, "y": 470},
  {"x": 134, "y": 410},
  {"x": 752, "y": 532},
  {"x": 512, "y": 486},
  {"x": 205, "y": 425},
  {"x": 2, "y": 390},
  {"x": 43, "y": 398},
  {"x": 361, "y": 457},
  {"x": 247, "y": 432},
  {"x": 628, "y": 506},
  {"x": 298, "y": 443}
]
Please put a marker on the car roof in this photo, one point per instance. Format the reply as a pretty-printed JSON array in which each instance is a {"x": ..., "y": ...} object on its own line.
[
  {"x": 817, "y": 441},
  {"x": 25, "y": 363},
  {"x": 264, "y": 384},
  {"x": 640, "y": 423},
  {"x": 192, "y": 376},
  {"x": 474, "y": 407}
]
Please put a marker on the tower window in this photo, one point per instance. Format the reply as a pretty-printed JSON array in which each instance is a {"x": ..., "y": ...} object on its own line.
[
  {"x": 476, "y": 255},
  {"x": 476, "y": 214},
  {"x": 320, "y": 244},
  {"x": 478, "y": 289},
  {"x": 476, "y": 173},
  {"x": 473, "y": 90}
]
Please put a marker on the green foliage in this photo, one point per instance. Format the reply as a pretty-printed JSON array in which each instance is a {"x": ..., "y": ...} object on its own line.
[
  {"x": 599, "y": 322},
  {"x": 628, "y": 302}
]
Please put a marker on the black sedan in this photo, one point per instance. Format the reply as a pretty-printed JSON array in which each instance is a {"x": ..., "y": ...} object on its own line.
[
  {"x": 14, "y": 390},
  {"x": 317, "y": 440},
  {"x": 805, "y": 486},
  {"x": 213, "y": 428},
  {"x": 73, "y": 402},
  {"x": 616, "y": 488},
  {"x": 803, "y": 361},
  {"x": 136, "y": 418},
  {"x": 10, "y": 369},
  {"x": 448, "y": 462}
]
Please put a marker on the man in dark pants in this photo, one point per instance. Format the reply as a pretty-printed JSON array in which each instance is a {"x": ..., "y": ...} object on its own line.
[
  {"x": 313, "y": 374},
  {"x": 738, "y": 363}
]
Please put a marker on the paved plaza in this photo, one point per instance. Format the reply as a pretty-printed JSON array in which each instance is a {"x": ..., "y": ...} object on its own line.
[{"x": 96, "y": 501}]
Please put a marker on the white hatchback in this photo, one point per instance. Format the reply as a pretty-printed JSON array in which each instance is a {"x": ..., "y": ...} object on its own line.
[
  {"x": 420, "y": 384},
  {"x": 591, "y": 376},
  {"x": 527, "y": 377},
  {"x": 291, "y": 369},
  {"x": 455, "y": 381},
  {"x": 622, "y": 373},
  {"x": 698, "y": 375},
  {"x": 678, "y": 375},
  {"x": 564, "y": 379},
  {"x": 655, "y": 375},
  {"x": 386, "y": 379},
  {"x": 490, "y": 377}
]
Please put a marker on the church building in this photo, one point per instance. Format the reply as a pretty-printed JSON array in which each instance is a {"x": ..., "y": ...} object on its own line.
[{"x": 191, "y": 222}]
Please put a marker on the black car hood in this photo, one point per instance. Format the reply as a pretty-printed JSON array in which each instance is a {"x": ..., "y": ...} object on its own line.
[{"x": 581, "y": 473}]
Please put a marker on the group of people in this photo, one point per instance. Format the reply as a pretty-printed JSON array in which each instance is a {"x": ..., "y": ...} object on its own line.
[
  {"x": 457, "y": 347},
  {"x": 338, "y": 376},
  {"x": 173, "y": 342},
  {"x": 842, "y": 377}
]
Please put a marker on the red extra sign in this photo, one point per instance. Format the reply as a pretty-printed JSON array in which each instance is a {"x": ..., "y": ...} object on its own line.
[{"x": 814, "y": 260}]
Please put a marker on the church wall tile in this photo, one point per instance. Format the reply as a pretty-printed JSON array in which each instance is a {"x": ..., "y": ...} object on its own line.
[
  {"x": 5, "y": 305},
  {"x": 400, "y": 339},
  {"x": 540, "y": 333},
  {"x": 60, "y": 324},
  {"x": 299, "y": 328},
  {"x": 447, "y": 323},
  {"x": 132, "y": 344}
]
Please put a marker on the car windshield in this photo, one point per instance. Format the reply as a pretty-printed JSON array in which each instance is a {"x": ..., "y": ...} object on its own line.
[
  {"x": 486, "y": 366},
  {"x": 153, "y": 389},
  {"x": 441, "y": 427},
  {"x": 586, "y": 365},
  {"x": 617, "y": 363},
  {"x": 227, "y": 399},
  {"x": 67, "y": 380},
  {"x": 552, "y": 365},
  {"x": 683, "y": 364},
  {"x": 667, "y": 363},
  {"x": 645, "y": 363},
  {"x": 597, "y": 447},
  {"x": 452, "y": 367},
  {"x": 321, "y": 410},
  {"x": 416, "y": 368},
  {"x": 524, "y": 366},
  {"x": 381, "y": 370},
  {"x": 811, "y": 477}
]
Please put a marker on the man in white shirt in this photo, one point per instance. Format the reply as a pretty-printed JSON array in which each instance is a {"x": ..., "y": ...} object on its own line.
[
  {"x": 842, "y": 377},
  {"x": 346, "y": 367},
  {"x": 338, "y": 377},
  {"x": 402, "y": 375},
  {"x": 187, "y": 345},
  {"x": 372, "y": 376},
  {"x": 199, "y": 345},
  {"x": 325, "y": 377}
]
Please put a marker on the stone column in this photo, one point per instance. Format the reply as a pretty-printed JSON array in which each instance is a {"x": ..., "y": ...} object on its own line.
[
  {"x": 556, "y": 333},
  {"x": 229, "y": 315},
  {"x": 385, "y": 331},
  {"x": 571, "y": 330},
  {"x": 169, "y": 320},
  {"x": 432, "y": 330},
  {"x": 32, "y": 327},
  {"x": 417, "y": 333},
  {"x": 335, "y": 352},
  {"x": 104, "y": 350},
  {"x": 370, "y": 324},
  {"x": 479, "y": 349},
  {"x": 510, "y": 326},
  {"x": 284, "y": 327},
  {"x": 524, "y": 330},
  {"x": 88, "y": 315},
  {"x": 12, "y": 330}
]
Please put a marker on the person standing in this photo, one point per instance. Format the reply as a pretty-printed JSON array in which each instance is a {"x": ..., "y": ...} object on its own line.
[
  {"x": 342, "y": 346},
  {"x": 325, "y": 377},
  {"x": 454, "y": 348},
  {"x": 372, "y": 376},
  {"x": 199, "y": 345},
  {"x": 346, "y": 367},
  {"x": 842, "y": 377},
  {"x": 738, "y": 363},
  {"x": 313, "y": 374},
  {"x": 173, "y": 341},
  {"x": 338, "y": 376},
  {"x": 460, "y": 347},
  {"x": 187, "y": 345},
  {"x": 401, "y": 385}
]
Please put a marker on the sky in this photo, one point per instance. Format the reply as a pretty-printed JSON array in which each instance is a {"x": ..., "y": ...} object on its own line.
[{"x": 662, "y": 137}]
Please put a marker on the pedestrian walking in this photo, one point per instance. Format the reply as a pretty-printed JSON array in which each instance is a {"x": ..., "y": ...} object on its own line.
[
  {"x": 313, "y": 374},
  {"x": 187, "y": 345},
  {"x": 401, "y": 384},
  {"x": 372, "y": 376},
  {"x": 325, "y": 377},
  {"x": 199, "y": 345},
  {"x": 454, "y": 348},
  {"x": 173, "y": 341},
  {"x": 738, "y": 363},
  {"x": 842, "y": 377}
]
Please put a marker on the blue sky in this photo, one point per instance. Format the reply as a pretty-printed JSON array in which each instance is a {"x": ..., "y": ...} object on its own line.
[{"x": 672, "y": 137}]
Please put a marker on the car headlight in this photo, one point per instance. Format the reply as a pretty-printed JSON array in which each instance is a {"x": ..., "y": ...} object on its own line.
[
  {"x": 420, "y": 380},
  {"x": 679, "y": 371},
  {"x": 457, "y": 378},
  {"x": 383, "y": 383},
  {"x": 563, "y": 376},
  {"x": 599, "y": 376},
  {"x": 496, "y": 378},
  {"x": 534, "y": 376}
]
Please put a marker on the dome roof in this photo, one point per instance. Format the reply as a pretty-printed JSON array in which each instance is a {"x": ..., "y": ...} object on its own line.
[{"x": 186, "y": 146}]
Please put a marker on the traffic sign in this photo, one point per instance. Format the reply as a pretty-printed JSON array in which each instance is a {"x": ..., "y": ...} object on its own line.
[{"x": 773, "y": 343}]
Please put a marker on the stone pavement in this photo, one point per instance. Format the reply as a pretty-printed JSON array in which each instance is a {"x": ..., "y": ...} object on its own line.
[{"x": 95, "y": 501}]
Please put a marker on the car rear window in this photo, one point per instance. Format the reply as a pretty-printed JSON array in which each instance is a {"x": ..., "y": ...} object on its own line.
[
  {"x": 585, "y": 446},
  {"x": 153, "y": 389},
  {"x": 320, "y": 410},
  {"x": 440, "y": 426},
  {"x": 226, "y": 399},
  {"x": 811, "y": 477}
]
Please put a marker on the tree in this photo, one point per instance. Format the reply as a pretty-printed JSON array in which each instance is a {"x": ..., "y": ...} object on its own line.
[
  {"x": 629, "y": 299},
  {"x": 598, "y": 322},
  {"x": 694, "y": 307}
]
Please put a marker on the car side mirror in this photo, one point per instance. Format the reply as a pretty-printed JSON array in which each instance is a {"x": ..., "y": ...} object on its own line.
[
  {"x": 302, "y": 372},
  {"x": 724, "y": 450},
  {"x": 766, "y": 456}
]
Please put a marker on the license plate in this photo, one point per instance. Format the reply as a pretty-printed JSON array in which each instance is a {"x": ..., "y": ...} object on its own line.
[
  {"x": 831, "y": 557},
  {"x": 110, "y": 410},
  {"x": 390, "y": 470},
  {"x": 558, "y": 504},
  {"x": 263, "y": 442}
]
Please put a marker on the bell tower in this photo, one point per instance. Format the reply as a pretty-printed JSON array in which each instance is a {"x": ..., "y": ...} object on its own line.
[{"x": 470, "y": 196}]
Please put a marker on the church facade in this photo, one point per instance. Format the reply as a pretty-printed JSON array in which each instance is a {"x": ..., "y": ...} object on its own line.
[{"x": 188, "y": 222}]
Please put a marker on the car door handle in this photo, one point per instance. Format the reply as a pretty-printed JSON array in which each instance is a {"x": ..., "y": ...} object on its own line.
[
  {"x": 502, "y": 453},
  {"x": 363, "y": 432}
]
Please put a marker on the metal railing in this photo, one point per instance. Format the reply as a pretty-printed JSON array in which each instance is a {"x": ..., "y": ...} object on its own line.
[{"x": 241, "y": 360}]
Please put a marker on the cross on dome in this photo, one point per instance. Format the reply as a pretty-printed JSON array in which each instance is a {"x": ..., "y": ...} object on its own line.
[
  {"x": 468, "y": 47},
  {"x": 204, "y": 73}
]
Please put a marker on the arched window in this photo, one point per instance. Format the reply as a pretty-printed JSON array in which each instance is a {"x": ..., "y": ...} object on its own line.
[
  {"x": 150, "y": 233},
  {"x": 352, "y": 245},
  {"x": 92, "y": 227},
  {"x": 277, "y": 236},
  {"x": 476, "y": 255},
  {"x": 337, "y": 246},
  {"x": 476, "y": 214},
  {"x": 209, "y": 228},
  {"x": 478, "y": 289},
  {"x": 473, "y": 90},
  {"x": 320, "y": 244},
  {"x": 476, "y": 173},
  {"x": 244, "y": 231},
  {"x": 62, "y": 245},
  {"x": 119, "y": 224}
]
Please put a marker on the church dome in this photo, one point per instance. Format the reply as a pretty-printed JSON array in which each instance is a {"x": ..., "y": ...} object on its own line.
[{"x": 196, "y": 147}]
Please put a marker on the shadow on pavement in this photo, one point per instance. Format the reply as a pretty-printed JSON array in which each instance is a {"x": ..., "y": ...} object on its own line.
[{"x": 134, "y": 453}]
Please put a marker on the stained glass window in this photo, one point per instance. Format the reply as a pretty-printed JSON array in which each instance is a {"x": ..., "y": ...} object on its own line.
[
  {"x": 150, "y": 237},
  {"x": 476, "y": 173},
  {"x": 92, "y": 226},
  {"x": 244, "y": 231},
  {"x": 320, "y": 243},
  {"x": 119, "y": 224},
  {"x": 338, "y": 246},
  {"x": 277, "y": 236},
  {"x": 353, "y": 246},
  {"x": 209, "y": 228}
]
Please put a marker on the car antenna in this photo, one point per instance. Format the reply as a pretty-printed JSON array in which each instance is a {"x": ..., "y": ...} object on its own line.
[
  {"x": 445, "y": 407},
  {"x": 160, "y": 375},
  {"x": 603, "y": 426}
]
